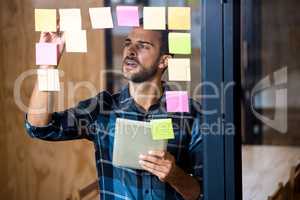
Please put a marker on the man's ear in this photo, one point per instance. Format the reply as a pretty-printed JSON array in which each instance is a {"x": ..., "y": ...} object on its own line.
[{"x": 163, "y": 64}]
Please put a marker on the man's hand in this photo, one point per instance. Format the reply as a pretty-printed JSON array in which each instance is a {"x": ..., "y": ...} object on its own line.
[
  {"x": 54, "y": 37},
  {"x": 41, "y": 103},
  {"x": 160, "y": 163}
]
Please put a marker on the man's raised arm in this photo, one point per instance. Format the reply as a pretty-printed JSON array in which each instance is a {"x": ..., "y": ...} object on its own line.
[{"x": 41, "y": 102}]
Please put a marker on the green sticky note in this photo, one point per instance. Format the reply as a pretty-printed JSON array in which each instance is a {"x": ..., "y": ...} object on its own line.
[
  {"x": 180, "y": 43},
  {"x": 162, "y": 129}
]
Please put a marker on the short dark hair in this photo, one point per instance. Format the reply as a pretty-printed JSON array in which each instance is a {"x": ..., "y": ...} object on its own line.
[{"x": 164, "y": 48}]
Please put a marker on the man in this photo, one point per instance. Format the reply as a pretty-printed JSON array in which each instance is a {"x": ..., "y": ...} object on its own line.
[{"x": 172, "y": 174}]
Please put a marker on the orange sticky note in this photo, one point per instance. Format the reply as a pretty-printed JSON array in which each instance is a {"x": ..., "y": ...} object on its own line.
[
  {"x": 45, "y": 20},
  {"x": 179, "y": 18}
]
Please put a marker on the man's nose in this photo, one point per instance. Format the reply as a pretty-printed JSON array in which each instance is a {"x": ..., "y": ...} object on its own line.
[{"x": 131, "y": 51}]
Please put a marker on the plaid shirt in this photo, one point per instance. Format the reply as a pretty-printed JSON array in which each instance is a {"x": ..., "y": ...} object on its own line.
[{"x": 94, "y": 119}]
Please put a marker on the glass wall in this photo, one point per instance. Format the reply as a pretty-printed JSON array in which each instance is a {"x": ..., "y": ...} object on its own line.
[
  {"x": 118, "y": 35},
  {"x": 270, "y": 102}
]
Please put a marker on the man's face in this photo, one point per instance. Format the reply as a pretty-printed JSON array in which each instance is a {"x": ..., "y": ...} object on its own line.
[{"x": 141, "y": 55}]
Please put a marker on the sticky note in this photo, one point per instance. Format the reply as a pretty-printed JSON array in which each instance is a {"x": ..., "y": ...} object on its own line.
[
  {"x": 179, "y": 69},
  {"x": 154, "y": 18},
  {"x": 70, "y": 19},
  {"x": 127, "y": 15},
  {"x": 179, "y": 18},
  {"x": 162, "y": 129},
  {"x": 76, "y": 41},
  {"x": 46, "y": 53},
  {"x": 101, "y": 17},
  {"x": 45, "y": 20},
  {"x": 177, "y": 101},
  {"x": 48, "y": 80},
  {"x": 180, "y": 43}
]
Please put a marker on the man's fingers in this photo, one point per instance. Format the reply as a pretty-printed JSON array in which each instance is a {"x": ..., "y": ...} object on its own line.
[
  {"x": 153, "y": 166},
  {"x": 62, "y": 35},
  {"x": 152, "y": 159},
  {"x": 45, "y": 37},
  {"x": 58, "y": 24},
  {"x": 159, "y": 174},
  {"x": 154, "y": 169},
  {"x": 161, "y": 154}
]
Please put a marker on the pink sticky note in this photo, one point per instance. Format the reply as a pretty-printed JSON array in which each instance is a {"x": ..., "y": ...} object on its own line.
[
  {"x": 128, "y": 15},
  {"x": 177, "y": 101},
  {"x": 46, "y": 54}
]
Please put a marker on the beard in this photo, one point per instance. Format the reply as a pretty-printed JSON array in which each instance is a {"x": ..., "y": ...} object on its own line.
[{"x": 143, "y": 74}]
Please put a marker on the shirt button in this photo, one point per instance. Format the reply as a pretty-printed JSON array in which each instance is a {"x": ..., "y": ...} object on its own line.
[{"x": 146, "y": 191}]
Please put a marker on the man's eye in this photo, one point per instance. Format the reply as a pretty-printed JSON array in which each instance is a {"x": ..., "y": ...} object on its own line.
[
  {"x": 126, "y": 44},
  {"x": 143, "y": 46}
]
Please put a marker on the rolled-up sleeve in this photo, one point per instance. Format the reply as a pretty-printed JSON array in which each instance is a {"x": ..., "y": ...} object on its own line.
[
  {"x": 73, "y": 123},
  {"x": 56, "y": 130},
  {"x": 39, "y": 131}
]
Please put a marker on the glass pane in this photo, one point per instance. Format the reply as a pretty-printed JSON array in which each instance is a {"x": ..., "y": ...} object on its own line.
[
  {"x": 119, "y": 34},
  {"x": 270, "y": 101}
]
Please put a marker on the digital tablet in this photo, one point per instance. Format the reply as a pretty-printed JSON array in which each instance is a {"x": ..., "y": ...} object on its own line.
[{"x": 131, "y": 139}]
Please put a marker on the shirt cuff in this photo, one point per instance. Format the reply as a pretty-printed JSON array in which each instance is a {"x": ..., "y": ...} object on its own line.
[{"x": 34, "y": 130}]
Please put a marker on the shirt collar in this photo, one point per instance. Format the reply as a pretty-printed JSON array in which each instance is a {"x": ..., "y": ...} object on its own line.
[{"x": 126, "y": 99}]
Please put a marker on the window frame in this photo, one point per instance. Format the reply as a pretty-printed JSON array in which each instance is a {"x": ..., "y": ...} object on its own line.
[{"x": 220, "y": 62}]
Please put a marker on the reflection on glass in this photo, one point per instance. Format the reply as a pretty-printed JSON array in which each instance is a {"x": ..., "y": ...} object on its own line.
[{"x": 270, "y": 102}]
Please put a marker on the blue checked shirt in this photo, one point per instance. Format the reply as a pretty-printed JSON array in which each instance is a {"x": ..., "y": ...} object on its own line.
[{"x": 94, "y": 119}]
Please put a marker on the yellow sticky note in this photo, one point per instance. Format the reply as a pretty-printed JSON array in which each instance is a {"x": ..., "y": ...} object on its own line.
[
  {"x": 179, "y": 18},
  {"x": 76, "y": 41},
  {"x": 162, "y": 129},
  {"x": 154, "y": 18},
  {"x": 45, "y": 20},
  {"x": 101, "y": 17},
  {"x": 180, "y": 43},
  {"x": 179, "y": 69},
  {"x": 70, "y": 19},
  {"x": 48, "y": 79}
]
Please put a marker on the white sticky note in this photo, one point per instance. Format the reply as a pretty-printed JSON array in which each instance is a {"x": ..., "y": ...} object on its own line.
[
  {"x": 76, "y": 41},
  {"x": 179, "y": 69},
  {"x": 154, "y": 18},
  {"x": 70, "y": 19},
  {"x": 48, "y": 80},
  {"x": 101, "y": 17}
]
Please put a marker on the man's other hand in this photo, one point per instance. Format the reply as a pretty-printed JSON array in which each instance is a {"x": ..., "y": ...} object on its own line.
[{"x": 160, "y": 163}]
